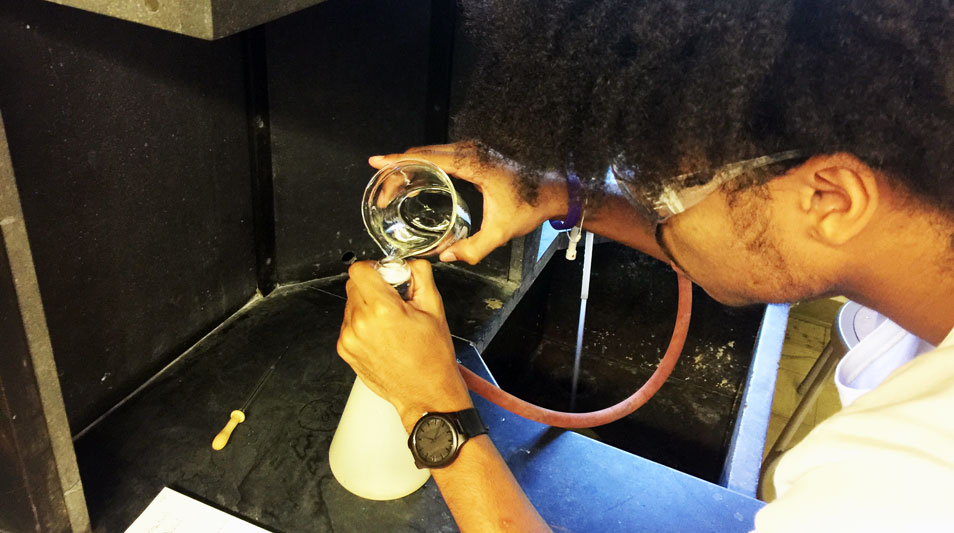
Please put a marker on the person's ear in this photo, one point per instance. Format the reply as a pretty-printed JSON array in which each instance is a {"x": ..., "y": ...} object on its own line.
[{"x": 840, "y": 198}]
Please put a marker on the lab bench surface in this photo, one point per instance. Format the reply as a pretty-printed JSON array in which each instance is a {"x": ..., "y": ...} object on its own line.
[{"x": 275, "y": 472}]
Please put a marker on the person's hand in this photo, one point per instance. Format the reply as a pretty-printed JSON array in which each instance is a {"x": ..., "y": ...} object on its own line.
[
  {"x": 402, "y": 350},
  {"x": 506, "y": 214}
]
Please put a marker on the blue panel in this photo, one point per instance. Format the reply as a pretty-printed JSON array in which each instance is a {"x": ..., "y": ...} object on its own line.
[{"x": 579, "y": 484}]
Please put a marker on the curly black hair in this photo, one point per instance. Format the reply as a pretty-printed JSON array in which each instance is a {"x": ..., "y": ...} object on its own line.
[{"x": 676, "y": 85}]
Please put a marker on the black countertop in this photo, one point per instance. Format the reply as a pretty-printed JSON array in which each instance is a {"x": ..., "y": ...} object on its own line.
[{"x": 275, "y": 472}]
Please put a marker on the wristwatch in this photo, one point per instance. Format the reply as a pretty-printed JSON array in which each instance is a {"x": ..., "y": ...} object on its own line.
[{"x": 437, "y": 438}]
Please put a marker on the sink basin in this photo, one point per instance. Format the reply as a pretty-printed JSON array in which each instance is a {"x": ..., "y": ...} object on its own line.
[{"x": 693, "y": 421}]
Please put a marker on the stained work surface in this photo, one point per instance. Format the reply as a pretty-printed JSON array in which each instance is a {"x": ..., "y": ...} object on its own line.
[
  {"x": 275, "y": 470},
  {"x": 629, "y": 320}
]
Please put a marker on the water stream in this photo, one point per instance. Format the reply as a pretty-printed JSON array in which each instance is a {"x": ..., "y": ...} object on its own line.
[{"x": 584, "y": 295}]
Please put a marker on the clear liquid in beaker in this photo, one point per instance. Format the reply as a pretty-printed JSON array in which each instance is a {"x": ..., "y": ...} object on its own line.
[{"x": 411, "y": 209}]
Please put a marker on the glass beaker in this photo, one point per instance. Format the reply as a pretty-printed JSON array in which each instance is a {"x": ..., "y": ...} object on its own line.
[{"x": 411, "y": 209}]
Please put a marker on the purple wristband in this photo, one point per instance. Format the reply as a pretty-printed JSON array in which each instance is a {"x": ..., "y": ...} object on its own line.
[{"x": 574, "y": 190}]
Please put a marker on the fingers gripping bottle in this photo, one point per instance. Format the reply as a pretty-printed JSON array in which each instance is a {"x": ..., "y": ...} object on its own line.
[{"x": 411, "y": 209}]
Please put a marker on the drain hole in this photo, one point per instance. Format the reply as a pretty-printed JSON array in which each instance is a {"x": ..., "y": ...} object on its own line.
[{"x": 348, "y": 258}]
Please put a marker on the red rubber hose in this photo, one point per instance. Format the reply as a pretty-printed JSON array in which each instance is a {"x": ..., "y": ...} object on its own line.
[{"x": 604, "y": 416}]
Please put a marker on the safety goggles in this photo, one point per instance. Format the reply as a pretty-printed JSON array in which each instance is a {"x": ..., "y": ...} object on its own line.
[{"x": 687, "y": 190}]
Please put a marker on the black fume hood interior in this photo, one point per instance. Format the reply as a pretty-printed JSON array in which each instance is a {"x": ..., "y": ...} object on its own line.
[{"x": 191, "y": 206}]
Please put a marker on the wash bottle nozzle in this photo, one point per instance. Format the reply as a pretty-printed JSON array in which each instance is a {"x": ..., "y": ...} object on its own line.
[{"x": 397, "y": 272}]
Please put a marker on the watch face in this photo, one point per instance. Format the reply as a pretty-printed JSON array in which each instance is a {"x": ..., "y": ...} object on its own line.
[{"x": 435, "y": 440}]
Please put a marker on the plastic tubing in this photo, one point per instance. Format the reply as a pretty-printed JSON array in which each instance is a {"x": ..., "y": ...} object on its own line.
[{"x": 560, "y": 419}]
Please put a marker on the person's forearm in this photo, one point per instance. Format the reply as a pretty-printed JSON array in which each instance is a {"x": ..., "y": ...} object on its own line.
[
  {"x": 478, "y": 486},
  {"x": 482, "y": 493},
  {"x": 615, "y": 218}
]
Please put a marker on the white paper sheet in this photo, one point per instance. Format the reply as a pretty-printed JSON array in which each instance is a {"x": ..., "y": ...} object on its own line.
[{"x": 173, "y": 512}]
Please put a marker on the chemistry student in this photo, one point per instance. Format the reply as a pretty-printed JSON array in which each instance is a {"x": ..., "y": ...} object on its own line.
[{"x": 860, "y": 89}]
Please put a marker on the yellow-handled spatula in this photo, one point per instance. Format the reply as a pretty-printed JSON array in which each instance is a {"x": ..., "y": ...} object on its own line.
[{"x": 238, "y": 416}]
